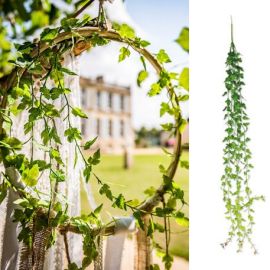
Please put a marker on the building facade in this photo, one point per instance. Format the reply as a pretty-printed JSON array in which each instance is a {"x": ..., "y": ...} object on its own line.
[{"x": 108, "y": 108}]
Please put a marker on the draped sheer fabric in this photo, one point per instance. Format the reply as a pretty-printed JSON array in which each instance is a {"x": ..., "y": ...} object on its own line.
[{"x": 69, "y": 190}]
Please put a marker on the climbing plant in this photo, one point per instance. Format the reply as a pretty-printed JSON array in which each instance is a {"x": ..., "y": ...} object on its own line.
[
  {"x": 42, "y": 62},
  {"x": 20, "y": 20},
  {"x": 237, "y": 195}
]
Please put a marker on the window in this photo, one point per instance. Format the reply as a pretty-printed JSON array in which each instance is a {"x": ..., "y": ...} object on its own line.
[
  {"x": 110, "y": 128},
  {"x": 110, "y": 100},
  {"x": 98, "y": 99},
  {"x": 84, "y": 98},
  {"x": 98, "y": 127},
  {"x": 122, "y": 128},
  {"x": 83, "y": 127},
  {"x": 122, "y": 105}
]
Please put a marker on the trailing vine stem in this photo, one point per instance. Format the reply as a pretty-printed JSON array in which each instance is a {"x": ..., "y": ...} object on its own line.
[
  {"x": 91, "y": 226},
  {"x": 66, "y": 247},
  {"x": 237, "y": 195},
  {"x": 85, "y": 6}
]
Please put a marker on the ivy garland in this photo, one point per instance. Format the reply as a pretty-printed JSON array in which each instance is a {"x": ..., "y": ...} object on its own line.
[
  {"x": 43, "y": 61},
  {"x": 237, "y": 195}
]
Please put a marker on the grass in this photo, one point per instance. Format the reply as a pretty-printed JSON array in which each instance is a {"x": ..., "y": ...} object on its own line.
[{"x": 132, "y": 183}]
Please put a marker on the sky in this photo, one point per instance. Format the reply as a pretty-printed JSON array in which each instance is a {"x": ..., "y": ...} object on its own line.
[
  {"x": 162, "y": 21},
  {"x": 157, "y": 21}
]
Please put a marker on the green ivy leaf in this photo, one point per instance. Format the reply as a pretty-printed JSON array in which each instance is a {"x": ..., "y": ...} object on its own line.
[
  {"x": 49, "y": 110},
  {"x": 155, "y": 90},
  {"x": 171, "y": 203},
  {"x": 95, "y": 159},
  {"x": 167, "y": 126},
  {"x": 87, "y": 173},
  {"x": 67, "y": 71},
  {"x": 54, "y": 154},
  {"x": 184, "y": 98},
  {"x": 3, "y": 192},
  {"x": 159, "y": 227},
  {"x": 151, "y": 228},
  {"x": 48, "y": 34},
  {"x": 86, "y": 262},
  {"x": 12, "y": 143},
  {"x": 154, "y": 267},
  {"x": 150, "y": 191},
  {"x": 120, "y": 202},
  {"x": 182, "y": 221},
  {"x": 178, "y": 193},
  {"x": 58, "y": 176},
  {"x": 165, "y": 108},
  {"x": 168, "y": 260},
  {"x": 138, "y": 217},
  {"x": 183, "y": 125},
  {"x": 39, "y": 18},
  {"x": 21, "y": 92},
  {"x": 167, "y": 182},
  {"x": 23, "y": 203},
  {"x": 164, "y": 78},
  {"x": 143, "y": 75},
  {"x": 183, "y": 39},
  {"x": 105, "y": 189},
  {"x": 30, "y": 176},
  {"x": 184, "y": 164},
  {"x": 124, "y": 53},
  {"x": 50, "y": 133},
  {"x": 184, "y": 79},
  {"x": 78, "y": 112},
  {"x": 144, "y": 43},
  {"x": 143, "y": 62},
  {"x": 73, "y": 134},
  {"x": 97, "y": 40},
  {"x": 163, "y": 57},
  {"x": 162, "y": 169},
  {"x": 18, "y": 215},
  {"x": 88, "y": 144},
  {"x": 139, "y": 43},
  {"x": 73, "y": 266},
  {"x": 126, "y": 31},
  {"x": 98, "y": 210},
  {"x": 69, "y": 23}
]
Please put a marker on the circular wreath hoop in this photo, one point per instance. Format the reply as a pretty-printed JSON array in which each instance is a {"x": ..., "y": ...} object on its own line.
[
  {"x": 84, "y": 33},
  {"x": 112, "y": 35}
]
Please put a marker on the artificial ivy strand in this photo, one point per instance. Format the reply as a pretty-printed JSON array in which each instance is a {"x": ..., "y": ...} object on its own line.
[
  {"x": 42, "y": 61},
  {"x": 237, "y": 195}
]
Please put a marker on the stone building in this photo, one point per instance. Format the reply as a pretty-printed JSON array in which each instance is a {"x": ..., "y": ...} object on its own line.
[{"x": 108, "y": 107}]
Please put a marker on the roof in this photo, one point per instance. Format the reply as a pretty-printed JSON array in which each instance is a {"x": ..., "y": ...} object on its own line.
[{"x": 100, "y": 84}]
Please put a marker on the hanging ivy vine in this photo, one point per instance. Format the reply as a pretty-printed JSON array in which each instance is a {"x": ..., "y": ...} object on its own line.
[
  {"x": 237, "y": 195},
  {"x": 42, "y": 61}
]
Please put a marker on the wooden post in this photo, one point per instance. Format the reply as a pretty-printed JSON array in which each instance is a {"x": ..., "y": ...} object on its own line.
[
  {"x": 143, "y": 257},
  {"x": 128, "y": 158}
]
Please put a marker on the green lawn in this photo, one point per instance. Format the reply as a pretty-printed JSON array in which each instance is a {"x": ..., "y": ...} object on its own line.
[{"x": 131, "y": 183}]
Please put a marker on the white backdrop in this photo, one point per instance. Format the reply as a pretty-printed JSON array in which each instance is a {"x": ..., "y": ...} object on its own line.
[{"x": 210, "y": 41}]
